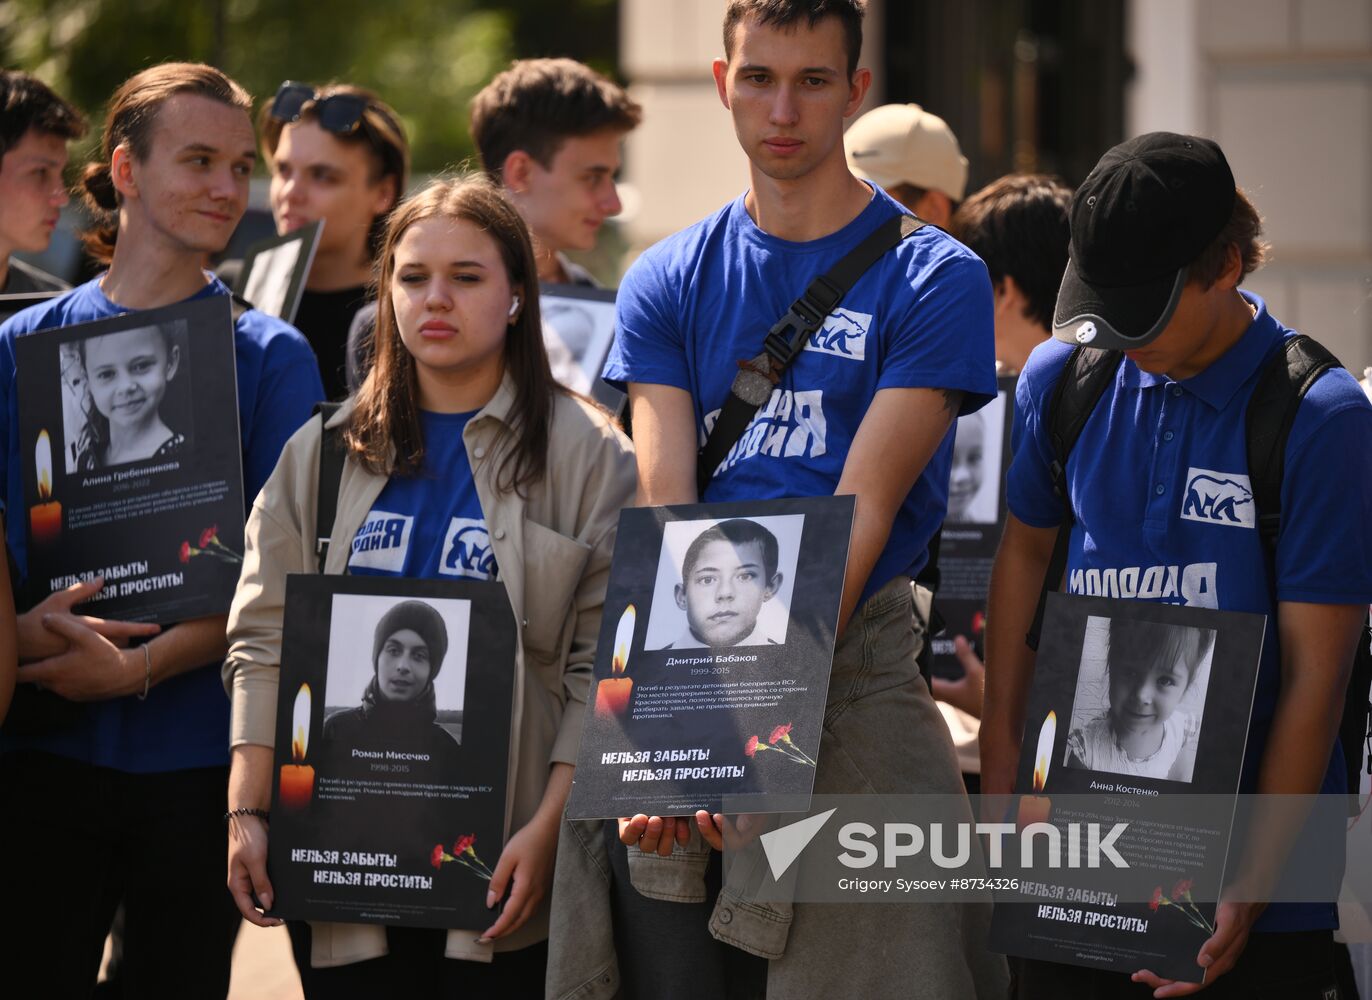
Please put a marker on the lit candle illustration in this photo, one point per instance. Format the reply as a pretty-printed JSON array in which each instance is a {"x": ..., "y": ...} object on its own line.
[
  {"x": 1035, "y": 808},
  {"x": 45, "y": 519},
  {"x": 612, "y": 694},
  {"x": 297, "y": 780}
]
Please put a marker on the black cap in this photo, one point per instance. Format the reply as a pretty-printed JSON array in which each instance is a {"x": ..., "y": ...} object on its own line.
[{"x": 1149, "y": 208}]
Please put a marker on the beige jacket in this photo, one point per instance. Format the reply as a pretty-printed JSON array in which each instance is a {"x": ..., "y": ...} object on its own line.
[{"x": 553, "y": 549}]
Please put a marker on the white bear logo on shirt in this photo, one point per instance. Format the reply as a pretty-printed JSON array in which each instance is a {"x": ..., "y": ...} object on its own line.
[
  {"x": 467, "y": 550},
  {"x": 1218, "y": 498},
  {"x": 844, "y": 335}
]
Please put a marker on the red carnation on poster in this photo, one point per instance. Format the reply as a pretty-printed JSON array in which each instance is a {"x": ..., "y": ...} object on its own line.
[
  {"x": 780, "y": 733},
  {"x": 751, "y": 748},
  {"x": 208, "y": 535},
  {"x": 1157, "y": 898},
  {"x": 464, "y": 853},
  {"x": 185, "y": 554}
]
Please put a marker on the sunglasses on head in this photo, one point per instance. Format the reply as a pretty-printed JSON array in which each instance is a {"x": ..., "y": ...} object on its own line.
[{"x": 337, "y": 113}]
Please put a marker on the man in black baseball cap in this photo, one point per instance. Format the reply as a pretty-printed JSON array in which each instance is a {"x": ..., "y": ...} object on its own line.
[
  {"x": 1150, "y": 207},
  {"x": 1161, "y": 240}
]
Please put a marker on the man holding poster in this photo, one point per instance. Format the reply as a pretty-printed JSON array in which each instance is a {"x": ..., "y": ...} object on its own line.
[
  {"x": 905, "y": 351},
  {"x": 133, "y": 782},
  {"x": 1163, "y": 509}
]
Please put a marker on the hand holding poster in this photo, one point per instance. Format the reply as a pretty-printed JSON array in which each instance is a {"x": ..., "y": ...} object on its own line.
[
  {"x": 133, "y": 466},
  {"x": 1137, "y": 720},
  {"x": 714, "y": 658},
  {"x": 392, "y": 750}
]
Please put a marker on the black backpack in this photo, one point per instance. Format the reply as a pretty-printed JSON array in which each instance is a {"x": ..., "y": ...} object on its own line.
[{"x": 1271, "y": 411}]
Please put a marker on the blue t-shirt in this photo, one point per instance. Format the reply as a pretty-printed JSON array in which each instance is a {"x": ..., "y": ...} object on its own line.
[
  {"x": 1160, "y": 489},
  {"x": 184, "y": 722},
  {"x": 428, "y": 525},
  {"x": 699, "y": 301}
]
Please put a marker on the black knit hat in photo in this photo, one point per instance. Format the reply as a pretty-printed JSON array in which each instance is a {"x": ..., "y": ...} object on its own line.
[{"x": 419, "y": 618}]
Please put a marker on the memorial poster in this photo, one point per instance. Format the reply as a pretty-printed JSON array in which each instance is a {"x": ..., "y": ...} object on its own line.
[
  {"x": 578, "y": 329},
  {"x": 972, "y": 529},
  {"x": 19, "y": 301},
  {"x": 275, "y": 269},
  {"x": 132, "y": 460},
  {"x": 1137, "y": 720},
  {"x": 392, "y": 750},
  {"x": 713, "y": 665}
]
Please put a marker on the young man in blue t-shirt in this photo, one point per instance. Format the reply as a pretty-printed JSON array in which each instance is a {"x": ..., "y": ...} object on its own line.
[
  {"x": 866, "y": 408},
  {"x": 123, "y": 802},
  {"x": 1161, "y": 239}
]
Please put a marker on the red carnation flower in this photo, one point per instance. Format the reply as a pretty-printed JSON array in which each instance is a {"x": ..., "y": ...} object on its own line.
[
  {"x": 185, "y": 554},
  {"x": 750, "y": 748},
  {"x": 464, "y": 844},
  {"x": 1182, "y": 888},
  {"x": 1157, "y": 898},
  {"x": 780, "y": 733},
  {"x": 207, "y": 535},
  {"x": 436, "y": 858}
]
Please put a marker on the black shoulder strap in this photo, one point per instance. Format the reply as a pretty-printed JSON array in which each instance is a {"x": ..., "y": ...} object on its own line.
[
  {"x": 755, "y": 380},
  {"x": 1271, "y": 412},
  {"x": 238, "y": 306},
  {"x": 331, "y": 455},
  {"x": 1085, "y": 377}
]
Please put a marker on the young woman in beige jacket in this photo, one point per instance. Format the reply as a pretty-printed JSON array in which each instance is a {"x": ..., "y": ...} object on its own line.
[{"x": 459, "y": 422}]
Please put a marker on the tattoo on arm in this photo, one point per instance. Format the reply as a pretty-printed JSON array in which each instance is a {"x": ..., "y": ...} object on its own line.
[{"x": 952, "y": 400}]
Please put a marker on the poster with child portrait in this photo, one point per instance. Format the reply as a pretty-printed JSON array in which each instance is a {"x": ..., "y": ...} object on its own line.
[
  {"x": 972, "y": 529},
  {"x": 578, "y": 328},
  {"x": 1137, "y": 717},
  {"x": 132, "y": 461},
  {"x": 713, "y": 664},
  {"x": 392, "y": 750}
]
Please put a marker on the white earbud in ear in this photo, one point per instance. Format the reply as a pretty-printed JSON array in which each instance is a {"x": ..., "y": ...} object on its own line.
[{"x": 514, "y": 307}]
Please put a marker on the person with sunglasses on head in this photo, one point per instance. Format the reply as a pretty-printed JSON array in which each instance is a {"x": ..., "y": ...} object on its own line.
[
  {"x": 461, "y": 432},
  {"x": 123, "y": 802},
  {"x": 337, "y": 154}
]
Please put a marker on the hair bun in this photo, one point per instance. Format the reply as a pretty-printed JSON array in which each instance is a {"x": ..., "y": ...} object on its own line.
[{"x": 98, "y": 182}]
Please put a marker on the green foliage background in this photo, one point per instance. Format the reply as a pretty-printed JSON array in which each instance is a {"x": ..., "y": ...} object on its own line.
[{"x": 425, "y": 57}]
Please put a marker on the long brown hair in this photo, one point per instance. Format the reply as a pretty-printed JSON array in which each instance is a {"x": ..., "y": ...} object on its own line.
[
  {"x": 129, "y": 121},
  {"x": 387, "y": 412}
]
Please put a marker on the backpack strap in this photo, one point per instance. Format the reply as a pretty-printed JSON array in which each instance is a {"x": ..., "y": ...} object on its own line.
[
  {"x": 1085, "y": 377},
  {"x": 753, "y": 384},
  {"x": 1271, "y": 412},
  {"x": 331, "y": 457}
]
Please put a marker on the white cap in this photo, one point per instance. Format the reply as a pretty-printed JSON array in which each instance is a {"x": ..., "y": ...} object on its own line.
[{"x": 904, "y": 144}]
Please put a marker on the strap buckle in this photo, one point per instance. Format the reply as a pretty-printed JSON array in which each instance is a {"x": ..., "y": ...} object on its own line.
[{"x": 805, "y": 316}]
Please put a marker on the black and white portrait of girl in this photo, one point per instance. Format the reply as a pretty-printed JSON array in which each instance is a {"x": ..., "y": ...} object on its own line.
[{"x": 125, "y": 397}]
